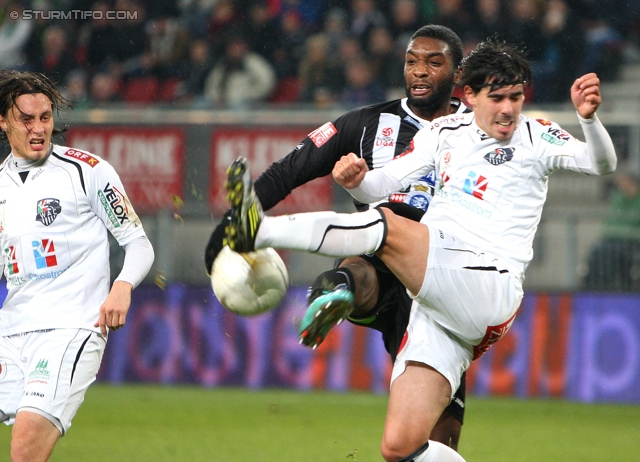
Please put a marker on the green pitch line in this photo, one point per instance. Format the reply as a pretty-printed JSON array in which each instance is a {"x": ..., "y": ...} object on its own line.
[{"x": 174, "y": 424}]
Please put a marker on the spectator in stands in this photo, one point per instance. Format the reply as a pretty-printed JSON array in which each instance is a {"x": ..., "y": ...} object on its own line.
[
  {"x": 455, "y": 15},
  {"x": 103, "y": 89},
  {"x": 75, "y": 89},
  {"x": 263, "y": 30},
  {"x": 195, "y": 70},
  {"x": 14, "y": 36},
  {"x": 100, "y": 33},
  {"x": 490, "y": 21},
  {"x": 614, "y": 263},
  {"x": 562, "y": 54},
  {"x": 362, "y": 88},
  {"x": 224, "y": 22},
  {"x": 130, "y": 39},
  {"x": 318, "y": 76},
  {"x": 386, "y": 60},
  {"x": 57, "y": 58},
  {"x": 291, "y": 45},
  {"x": 168, "y": 44},
  {"x": 405, "y": 20},
  {"x": 335, "y": 27},
  {"x": 364, "y": 17},
  {"x": 196, "y": 14},
  {"x": 241, "y": 78}
]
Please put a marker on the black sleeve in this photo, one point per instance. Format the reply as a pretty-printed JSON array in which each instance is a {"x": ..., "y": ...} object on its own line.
[{"x": 308, "y": 161}]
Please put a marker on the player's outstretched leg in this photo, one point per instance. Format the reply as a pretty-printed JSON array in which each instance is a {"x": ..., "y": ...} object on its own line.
[
  {"x": 330, "y": 301},
  {"x": 246, "y": 210}
]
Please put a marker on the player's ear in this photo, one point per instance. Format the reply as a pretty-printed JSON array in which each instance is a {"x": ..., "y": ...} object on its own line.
[{"x": 469, "y": 95}]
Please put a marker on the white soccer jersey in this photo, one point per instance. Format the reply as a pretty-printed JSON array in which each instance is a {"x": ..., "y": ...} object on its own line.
[
  {"x": 489, "y": 193},
  {"x": 53, "y": 233}
]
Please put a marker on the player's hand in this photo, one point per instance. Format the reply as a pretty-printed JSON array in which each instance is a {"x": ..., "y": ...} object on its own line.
[
  {"x": 585, "y": 95},
  {"x": 113, "y": 312},
  {"x": 349, "y": 171}
]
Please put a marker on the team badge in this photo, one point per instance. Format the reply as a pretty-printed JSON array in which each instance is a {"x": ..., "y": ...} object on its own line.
[
  {"x": 499, "y": 156},
  {"x": 48, "y": 210}
]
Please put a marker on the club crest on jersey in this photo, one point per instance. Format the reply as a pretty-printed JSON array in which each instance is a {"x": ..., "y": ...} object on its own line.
[
  {"x": 115, "y": 204},
  {"x": 499, "y": 156},
  {"x": 83, "y": 156},
  {"x": 475, "y": 187},
  {"x": 322, "y": 134},
  {"x": 48, "y": 210}
]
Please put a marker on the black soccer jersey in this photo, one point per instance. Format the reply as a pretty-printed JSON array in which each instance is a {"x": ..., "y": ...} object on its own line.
[{"x": 378, "y": 133}]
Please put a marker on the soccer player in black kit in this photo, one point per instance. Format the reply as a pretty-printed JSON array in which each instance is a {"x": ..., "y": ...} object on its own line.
[{"x": 362, "y": 289}]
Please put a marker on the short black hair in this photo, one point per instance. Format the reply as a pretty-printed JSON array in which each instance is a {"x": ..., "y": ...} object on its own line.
[
  {"x": 445, "y": 34},
  {"x": 494, "y": 64},
  {"x": 14, "y": 84}
]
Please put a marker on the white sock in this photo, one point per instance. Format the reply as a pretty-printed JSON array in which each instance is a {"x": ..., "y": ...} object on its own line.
[
  {"x": 327, "y": 233},
  {"x": 438, "y": 452}
]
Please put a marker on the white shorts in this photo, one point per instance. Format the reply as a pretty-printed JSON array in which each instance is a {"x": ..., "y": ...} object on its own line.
[
  {"x": 467, "y": 302},
  {"x": 48, "y": 372}
]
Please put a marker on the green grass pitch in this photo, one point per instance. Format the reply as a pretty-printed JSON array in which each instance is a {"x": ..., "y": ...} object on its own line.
[{"x": 142, "y": 423}]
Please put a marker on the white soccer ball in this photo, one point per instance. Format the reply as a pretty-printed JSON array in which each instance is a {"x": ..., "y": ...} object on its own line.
[{"x": 249, "y": 283}]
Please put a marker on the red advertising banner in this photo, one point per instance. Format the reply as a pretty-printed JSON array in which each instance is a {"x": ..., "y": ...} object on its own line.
[
  {"x": 149, "y": 160},
  {"x": 263, "y": 146}
]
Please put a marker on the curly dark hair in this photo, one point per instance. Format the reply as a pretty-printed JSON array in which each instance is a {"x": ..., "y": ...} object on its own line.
[
  {"x": 14, "y": 84},
  {"x": 445, "y": 34},
  {"x": 494, "y": 64}
]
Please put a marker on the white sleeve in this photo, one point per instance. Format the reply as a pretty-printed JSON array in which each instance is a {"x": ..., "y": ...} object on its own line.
[
  {"x": 376, "y": 185},
  {"x": 601, "y": 152},
  {"x": 138, "y": 259},
  {"x": 417, "y": 160}
]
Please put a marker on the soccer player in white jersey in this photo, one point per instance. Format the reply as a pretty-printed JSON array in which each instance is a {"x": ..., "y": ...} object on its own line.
[
  {"x": 57, "y": 205},
  {"x": 464, "y": 263}
]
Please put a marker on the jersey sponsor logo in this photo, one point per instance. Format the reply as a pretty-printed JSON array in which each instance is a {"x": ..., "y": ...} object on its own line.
[
  {"x": 3, "y": 368},
  {"x": 48, "y": 209},
  {"x": 492, "y": 335},
  {"x": 44, "y": 253},
  {"x": 398, "y": 197},
  {"x": 444, "y": 178},
  {"x": 446, "y": 157},
  {"x": 322, "y": 134},
  {"x": 475, "y": 186},
  {"x": 413, "y": 122},
  {"x": 115, "y": 204},
  {"x": 386, "y": 139},
  {"x": 459, "y": 199},
  {"x": 544, "y": 122},
  {"x": 556, "y": 136},
  {"x": 499, "y": 156},
  {"x": 41, "y": 372},
  {"x": 419, "y": 200},
  {"x": 82, "y": 156},
  {"x": 12, "y": 265},
  {"x": 445, "y": 120}
]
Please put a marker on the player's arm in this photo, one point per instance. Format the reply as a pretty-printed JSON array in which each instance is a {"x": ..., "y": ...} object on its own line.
[
  {"x": 111, "y": 204},
  {"x": 138, "y": 259},
  {"x": 585, "y": 95},
  {"x": 371, "y": 186},
  {"x": 313, "y": 158}
]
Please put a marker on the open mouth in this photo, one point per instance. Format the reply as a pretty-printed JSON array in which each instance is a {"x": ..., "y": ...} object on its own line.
[
  {"x": 420, "y": 89},
  {"x": 37, "y": 144}
]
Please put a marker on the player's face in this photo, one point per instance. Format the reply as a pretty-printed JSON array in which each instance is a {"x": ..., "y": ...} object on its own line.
[
  {"x": 428, "y": 73},
  {"x": 29, "y": 126},
  {"x": 497, "y": 111}
]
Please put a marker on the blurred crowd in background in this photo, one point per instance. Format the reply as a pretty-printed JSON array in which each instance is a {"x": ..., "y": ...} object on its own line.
[{"x": 242, "y": 53}]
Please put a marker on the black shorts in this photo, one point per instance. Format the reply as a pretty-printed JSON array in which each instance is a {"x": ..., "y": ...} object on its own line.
[{"x": 390, "y": 315}]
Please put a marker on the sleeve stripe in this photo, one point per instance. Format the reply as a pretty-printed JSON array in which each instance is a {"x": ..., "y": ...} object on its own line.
[{"x": 76, "y": 166}]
